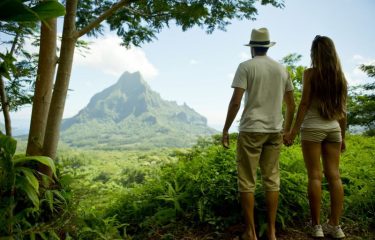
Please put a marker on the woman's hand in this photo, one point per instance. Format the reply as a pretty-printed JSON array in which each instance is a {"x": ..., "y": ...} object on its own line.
[
  {"x": 288, "y": 138},
  {"x": 343, "y": 146}
]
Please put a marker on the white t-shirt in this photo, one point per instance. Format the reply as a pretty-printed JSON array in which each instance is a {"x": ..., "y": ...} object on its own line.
[{"x": 265, "y": 82}]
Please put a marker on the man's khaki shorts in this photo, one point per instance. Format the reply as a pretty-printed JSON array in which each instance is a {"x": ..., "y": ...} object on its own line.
[{"x": 258, "y": 148}]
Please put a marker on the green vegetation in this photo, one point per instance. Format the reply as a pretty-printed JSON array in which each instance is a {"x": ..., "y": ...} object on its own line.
[
  {"x": 169, "y": 193},
  {"x": 102, "y": 176},
  {"x": 362, "y": 103},
  {"x": 164, "y": 193},
  {"x": 200, "y": 190},
  {"x": 27, "y": 208}
]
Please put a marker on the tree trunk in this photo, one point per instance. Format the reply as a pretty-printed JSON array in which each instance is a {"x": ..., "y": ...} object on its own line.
[
  {"x": 43, "y": 87},
  {"x": 69, "y": 39},
  {"x": 5, "y": 108}
]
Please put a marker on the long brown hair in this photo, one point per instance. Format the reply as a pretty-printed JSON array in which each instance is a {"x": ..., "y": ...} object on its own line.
[{"x": 328, "y": 83}]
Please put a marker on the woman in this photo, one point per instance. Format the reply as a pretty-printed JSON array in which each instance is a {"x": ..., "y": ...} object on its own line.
[{"x": 322, "y": 118}]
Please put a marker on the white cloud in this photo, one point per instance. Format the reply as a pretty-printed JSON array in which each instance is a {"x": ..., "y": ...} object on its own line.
[
  {"x": 358, "y": 59},
  {"x": 357, "y": 76},
  {"x": 107, "y": 55},
  {"x": 193, "y": 62},
  {"x": 230, "y": 76},
  {"x": 244, "y": 56}
]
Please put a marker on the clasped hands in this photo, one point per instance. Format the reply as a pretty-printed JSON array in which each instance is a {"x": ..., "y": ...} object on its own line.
[{"x": 288, "y": 139}]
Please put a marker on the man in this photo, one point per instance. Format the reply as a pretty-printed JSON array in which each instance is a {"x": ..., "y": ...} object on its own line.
[{"x": 266, "y": 84}]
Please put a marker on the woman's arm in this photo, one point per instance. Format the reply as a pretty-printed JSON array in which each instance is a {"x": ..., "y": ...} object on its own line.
[
  {"x": 342, "y": 123},
  {"x": 303, "y": 106}
]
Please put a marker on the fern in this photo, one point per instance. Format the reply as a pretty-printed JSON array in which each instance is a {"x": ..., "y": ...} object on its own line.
[{"x": 19, "y": 187}]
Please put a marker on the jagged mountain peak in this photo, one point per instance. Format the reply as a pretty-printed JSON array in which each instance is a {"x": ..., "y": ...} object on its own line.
[
  {"x": 130, "y": 95},
  {"x": 129, "y": 81},
  {"x": 130, "y": 107}
]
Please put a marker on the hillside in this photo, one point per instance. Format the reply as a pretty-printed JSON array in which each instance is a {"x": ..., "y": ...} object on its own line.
[
  {"x": 130, "y": 115},
  {"x": 192, "y": 193}
]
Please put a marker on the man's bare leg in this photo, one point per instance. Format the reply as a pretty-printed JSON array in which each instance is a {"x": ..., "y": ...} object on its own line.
[
  {"x": 272, "y": 198},
  {"x": 247, "y": 202}
]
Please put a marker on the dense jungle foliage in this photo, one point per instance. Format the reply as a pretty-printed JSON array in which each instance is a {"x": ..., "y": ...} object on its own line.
[{"x": 168, "y": 193}]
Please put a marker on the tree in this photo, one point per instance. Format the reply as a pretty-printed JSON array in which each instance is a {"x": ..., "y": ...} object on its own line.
[
  {"x": 16, "y": 69},
  {"x": 135, "y": 22},
  {"x": 295, "y": 73},
  {"x": 361, "y": 109},
  {"x": 19, "y": 21},
  {"x": 43, "y": 87}
]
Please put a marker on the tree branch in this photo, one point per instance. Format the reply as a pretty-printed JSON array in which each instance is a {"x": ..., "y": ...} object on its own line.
[
  {"x": 15, "y": 41},
  {"x": 5, "y": 108},
  {"x": 158, "y": 14},
  {"x": 102, "y": 17}
]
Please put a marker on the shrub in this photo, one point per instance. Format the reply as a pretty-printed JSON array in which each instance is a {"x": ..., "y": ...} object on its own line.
[{"x": 201, "y": 190}]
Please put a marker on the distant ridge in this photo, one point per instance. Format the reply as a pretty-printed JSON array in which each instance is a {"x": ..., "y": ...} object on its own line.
[{"x": 130, "y": 115}]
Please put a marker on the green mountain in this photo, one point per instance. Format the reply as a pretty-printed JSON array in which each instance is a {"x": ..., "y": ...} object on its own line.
[{"x": 130, "y": 115}]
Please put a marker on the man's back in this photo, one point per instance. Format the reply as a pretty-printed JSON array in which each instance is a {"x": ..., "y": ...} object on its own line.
[{"x": 265, "y": 82}]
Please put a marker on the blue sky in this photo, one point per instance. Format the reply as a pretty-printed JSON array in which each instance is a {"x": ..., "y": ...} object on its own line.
[{"x": 197, "y": 69}]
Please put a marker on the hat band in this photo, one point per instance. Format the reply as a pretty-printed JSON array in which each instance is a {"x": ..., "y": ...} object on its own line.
[{"x": 260, "y": 43}]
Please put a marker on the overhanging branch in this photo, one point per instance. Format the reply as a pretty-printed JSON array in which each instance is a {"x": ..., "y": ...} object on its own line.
[{"x": 102, "y": 17}]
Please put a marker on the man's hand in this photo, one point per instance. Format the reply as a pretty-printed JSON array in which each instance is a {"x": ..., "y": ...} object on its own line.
[
  {"x": 288, "y": 139},
  {"x": 225, "y": 139}
]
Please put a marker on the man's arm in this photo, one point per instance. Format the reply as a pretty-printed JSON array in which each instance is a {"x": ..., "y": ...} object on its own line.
[
  {"x": 234, "y": 106},
  {"x": 290, "y": 108}
]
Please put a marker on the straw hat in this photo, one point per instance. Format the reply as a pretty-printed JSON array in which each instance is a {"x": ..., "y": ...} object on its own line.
[{"x": 260, "y": 38}]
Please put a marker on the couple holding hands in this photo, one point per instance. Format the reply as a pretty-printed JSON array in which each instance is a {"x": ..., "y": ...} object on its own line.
[{"x": 321, "y": 121}]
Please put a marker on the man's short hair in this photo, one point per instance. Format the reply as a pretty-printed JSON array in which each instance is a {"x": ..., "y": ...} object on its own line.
[{"x": 260, "y": 50}]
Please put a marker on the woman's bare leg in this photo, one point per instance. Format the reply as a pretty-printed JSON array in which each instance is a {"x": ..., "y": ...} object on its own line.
[
  {"x": 331, "y": 158},
  {"x": 311, "y": 154}
]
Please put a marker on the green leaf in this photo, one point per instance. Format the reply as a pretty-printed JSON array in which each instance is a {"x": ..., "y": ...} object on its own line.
[
  {"x": 41, "y": 159},
  {"x": 15, "y": 10},
  {"x": 8, "y": 144},
  {"x": 23, "y": 185},
  {"x": 6, "y": 238},
  {"x": 58, "y": 194},
  {"x": 4, "y": 71},
  {"x": 53, "y": 235},
  {"x": 49, "y": 197},
  {"x": 49, "y": 9},
  {"x": 10, "y": 9},
  {"x": 30, "y": 177},
  {"x": 43, "y": 236}
]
